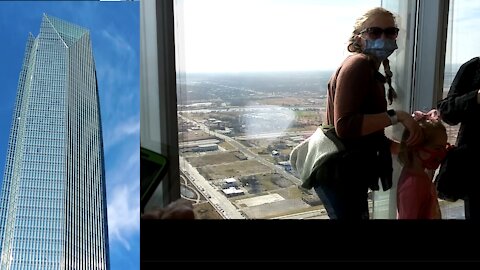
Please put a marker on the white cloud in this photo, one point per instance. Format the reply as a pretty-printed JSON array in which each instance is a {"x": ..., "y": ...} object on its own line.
[
  {"x": 117, "y": 64},
  {"x": 121, "y": 141},
  {"x": 129, "y": 127},
  {"x": 123, "y": 213},
  {"x": 123, "y": 189},
  {"x": 118, "y": 43}
]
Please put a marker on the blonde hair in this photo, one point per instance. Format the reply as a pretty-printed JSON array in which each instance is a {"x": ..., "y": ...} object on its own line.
[
  {"x": 430, "y": 129},
  {"x": 353, "y": 46}
]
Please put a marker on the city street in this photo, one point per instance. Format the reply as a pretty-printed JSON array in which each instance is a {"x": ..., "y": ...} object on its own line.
[{"x": 213, "y": 195}]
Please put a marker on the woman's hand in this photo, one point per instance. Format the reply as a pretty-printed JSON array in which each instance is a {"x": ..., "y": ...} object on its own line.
[{"x": 416, "y": 133}]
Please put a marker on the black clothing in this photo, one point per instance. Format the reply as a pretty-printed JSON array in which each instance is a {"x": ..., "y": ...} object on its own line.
[{"x": 461, "y": 106}]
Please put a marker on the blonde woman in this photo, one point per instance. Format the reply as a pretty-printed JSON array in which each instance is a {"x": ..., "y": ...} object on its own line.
[{"x": 357, "y": 107}]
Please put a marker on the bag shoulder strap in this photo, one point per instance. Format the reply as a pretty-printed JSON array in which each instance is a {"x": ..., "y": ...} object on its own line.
[{"x": 329, "y": 131}]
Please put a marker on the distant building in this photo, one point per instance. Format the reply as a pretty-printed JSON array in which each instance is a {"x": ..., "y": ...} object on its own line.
[
  {"x": 197, "y": 105},
  {"x": 225, "y": 131},
  {"x": 286, "y": 165},
  {"x": 205, "y": 147},
  {"x": 217, "y": 124},
  {"x": 232, "y": 191},
  {"x": 199, "y": 142},
  {"x": 297, "y": 139},
  {"x": 230, "y": 182}
]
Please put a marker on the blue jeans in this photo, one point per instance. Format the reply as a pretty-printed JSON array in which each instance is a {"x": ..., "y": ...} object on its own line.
[{"x": 344, "y": 201}]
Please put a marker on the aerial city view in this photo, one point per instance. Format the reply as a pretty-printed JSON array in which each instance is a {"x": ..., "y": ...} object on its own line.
[{"x": 236, "y": 132}]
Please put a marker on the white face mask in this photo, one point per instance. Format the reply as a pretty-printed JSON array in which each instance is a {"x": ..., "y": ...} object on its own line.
[{"x": 380, "y": 48}]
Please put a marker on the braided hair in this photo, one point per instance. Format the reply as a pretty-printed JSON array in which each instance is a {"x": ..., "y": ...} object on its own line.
[{"x": 392, "y": 94}]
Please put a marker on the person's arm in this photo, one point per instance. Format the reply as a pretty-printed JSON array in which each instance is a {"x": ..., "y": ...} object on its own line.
[
  {"x": 463, "y": 98},
  {"x": 456, "y": 108},
  {"x": 375, "y": 122},
  {"x": 352, "y": 87}
]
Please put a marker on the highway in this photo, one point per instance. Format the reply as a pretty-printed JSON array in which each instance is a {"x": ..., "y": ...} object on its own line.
[
  {"x": 249, "y": 154},
  {"x": 217, "y": 199}
]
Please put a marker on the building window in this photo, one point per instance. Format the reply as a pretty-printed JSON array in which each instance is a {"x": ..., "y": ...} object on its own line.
[
  {"x": 252, "y": 80},
  {"x": 461, "y": 47}
]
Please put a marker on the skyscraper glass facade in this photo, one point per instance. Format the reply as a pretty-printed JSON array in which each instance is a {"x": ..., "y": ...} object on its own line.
[{"x": 53, "y": 202}]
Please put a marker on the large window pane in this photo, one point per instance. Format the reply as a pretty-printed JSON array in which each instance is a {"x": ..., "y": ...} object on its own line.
[
  {"x": 252, "y": 79},
  {"x": 462, "y": 45}
]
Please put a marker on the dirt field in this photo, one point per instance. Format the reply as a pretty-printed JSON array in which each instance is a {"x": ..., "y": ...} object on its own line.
[
  {"x": 293, "y": 192},
  {"x": 215, "y": 159},
  {"x": 195, "y": 135},
  {"x": 199, "y": 117},
  {"x": 234, "y": 169},
  {"x": 227, "y": 146},
  {"x": 274, "y": 182},
  {"x": 205, "y": 210}
]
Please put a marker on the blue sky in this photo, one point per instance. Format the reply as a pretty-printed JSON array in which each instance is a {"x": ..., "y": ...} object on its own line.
[{"x": 114, "y": 30}]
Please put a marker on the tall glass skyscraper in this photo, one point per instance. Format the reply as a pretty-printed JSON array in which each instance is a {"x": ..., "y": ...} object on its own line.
[{"x": 53, "y": 201}]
